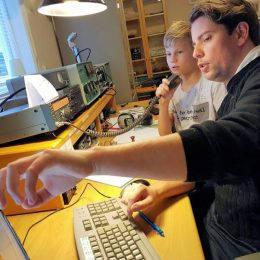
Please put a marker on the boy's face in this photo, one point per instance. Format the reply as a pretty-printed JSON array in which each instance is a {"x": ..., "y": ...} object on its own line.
[
  {"x": 215, "y": 49},
  {"x": 179, "y": 57}
]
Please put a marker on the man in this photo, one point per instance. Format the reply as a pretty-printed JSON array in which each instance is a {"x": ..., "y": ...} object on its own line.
[{"x": 225, "y": 36}]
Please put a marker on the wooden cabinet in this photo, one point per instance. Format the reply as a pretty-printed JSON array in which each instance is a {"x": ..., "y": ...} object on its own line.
[{"x": 144, "y": 23}]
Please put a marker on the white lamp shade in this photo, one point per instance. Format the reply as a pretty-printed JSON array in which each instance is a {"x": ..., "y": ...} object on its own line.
[
  {"x": 70, "y": 8},
  {"x": 15, "y": 67}
]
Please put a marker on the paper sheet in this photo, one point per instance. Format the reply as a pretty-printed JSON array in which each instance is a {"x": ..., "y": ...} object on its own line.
[
  {"x": 39, "y": 90},
  {"x": 139, "y": 133}
]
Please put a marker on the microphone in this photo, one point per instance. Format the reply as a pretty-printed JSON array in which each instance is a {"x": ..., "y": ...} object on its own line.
[
  {"x": 71, "y": 42},
  {"x": 71, "y": 39}
]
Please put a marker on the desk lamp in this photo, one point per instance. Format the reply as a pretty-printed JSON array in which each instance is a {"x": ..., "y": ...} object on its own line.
[{"x": 70, "y": 8}]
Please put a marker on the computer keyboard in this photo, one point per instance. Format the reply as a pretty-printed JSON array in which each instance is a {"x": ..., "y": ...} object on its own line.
[{"x": 103, "y": 231}]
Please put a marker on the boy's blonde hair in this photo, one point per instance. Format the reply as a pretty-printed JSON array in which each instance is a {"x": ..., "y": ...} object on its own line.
[{"x": 178, "y": 30}]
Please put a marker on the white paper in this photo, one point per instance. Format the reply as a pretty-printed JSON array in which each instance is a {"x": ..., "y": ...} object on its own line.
[
  {"x": 110, "y": 179},
  {"x": 139, "y": 133},
  {"x": 39, "y": 90}
]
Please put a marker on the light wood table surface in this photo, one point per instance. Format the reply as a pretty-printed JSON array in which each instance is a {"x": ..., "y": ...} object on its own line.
[{"x": 53, "y": 238}]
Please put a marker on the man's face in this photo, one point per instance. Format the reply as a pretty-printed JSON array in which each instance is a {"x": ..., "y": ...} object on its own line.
[
  {"x": 179, "y": 57},
  {"x": 215, "y": 49}
]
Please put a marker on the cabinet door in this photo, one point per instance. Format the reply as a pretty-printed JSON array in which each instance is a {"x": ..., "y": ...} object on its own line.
[
  {"x": 135, "y": 37},
  {"x": 155, "y": 24},
  {"x": 144, "y": 25}
]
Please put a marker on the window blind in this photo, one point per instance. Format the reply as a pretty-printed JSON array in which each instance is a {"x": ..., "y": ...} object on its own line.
[{"x": 7, "y": 47}]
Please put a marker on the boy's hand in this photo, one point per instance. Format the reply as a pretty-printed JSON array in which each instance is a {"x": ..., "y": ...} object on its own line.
[{"x": 164, "y": 92}]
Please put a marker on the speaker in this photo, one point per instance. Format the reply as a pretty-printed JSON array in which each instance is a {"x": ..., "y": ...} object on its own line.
[{"x": 126, "y": 119}]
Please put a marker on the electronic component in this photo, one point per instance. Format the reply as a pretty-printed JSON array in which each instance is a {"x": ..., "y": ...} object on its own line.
[
  {"x": 67, "y": 196},
  {"x": 104, "y": 75},
  {"x": 84, "y": 75},
  {"x": 86, "y": 141},
  {"x": 76, "y": 103},
  {"x": 59, "y": 79},
  {"x": 23, "y": 121}
]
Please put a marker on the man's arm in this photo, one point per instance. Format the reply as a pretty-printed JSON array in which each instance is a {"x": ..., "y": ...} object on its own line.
[{"x": 160, "y": 158}]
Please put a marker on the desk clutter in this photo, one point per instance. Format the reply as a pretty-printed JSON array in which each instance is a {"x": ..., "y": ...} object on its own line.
[
  {"x": 96, "y": 225},
  {"x": 33, "y": 111}
]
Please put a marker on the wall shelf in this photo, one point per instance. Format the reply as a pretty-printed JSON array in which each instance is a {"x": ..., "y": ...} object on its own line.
[{"x": 147, "y": 29}]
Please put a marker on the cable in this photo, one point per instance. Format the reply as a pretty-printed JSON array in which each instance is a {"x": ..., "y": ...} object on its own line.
[
  {"x": 10, "y": 96},
  {"x": 58, "y": 210},
  {"x": 112, "y": 125},
  {"x": 109, "y": 197},
  {"x": 89, "y": 52},
  {"x": 94, "y": 133}
]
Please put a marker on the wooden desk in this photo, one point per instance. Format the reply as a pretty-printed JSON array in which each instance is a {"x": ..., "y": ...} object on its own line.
[
  {"x": 67, "y": 138},
  {"x": 54, "y": 238}
]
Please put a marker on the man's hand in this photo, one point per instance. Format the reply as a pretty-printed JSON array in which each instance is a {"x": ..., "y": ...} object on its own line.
[
  {"x": 58, "y": 170},
  {"x": 144, "y": 197},
  {"x": 147, "y": 196}
]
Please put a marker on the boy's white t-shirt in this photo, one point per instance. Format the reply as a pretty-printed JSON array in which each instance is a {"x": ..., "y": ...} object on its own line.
[{"x": 199, "y": 104}]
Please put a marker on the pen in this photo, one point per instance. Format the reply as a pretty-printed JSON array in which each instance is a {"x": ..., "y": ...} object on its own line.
[{"x": 154, "y": 226}]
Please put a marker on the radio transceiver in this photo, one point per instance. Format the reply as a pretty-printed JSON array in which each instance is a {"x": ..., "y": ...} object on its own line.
[
  {"x": 104, "y": 75},
  {"x": 23, "y": 121},
  {"x": 59, "y": 79},
  {"x": 84, "y": 75}
]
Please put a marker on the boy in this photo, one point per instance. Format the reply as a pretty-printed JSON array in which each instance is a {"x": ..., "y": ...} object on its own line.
[{"x": 196, "y": 99}]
